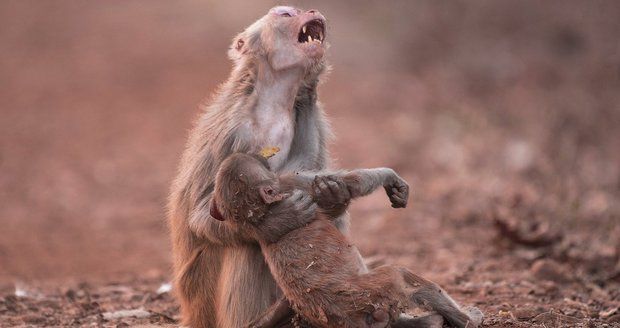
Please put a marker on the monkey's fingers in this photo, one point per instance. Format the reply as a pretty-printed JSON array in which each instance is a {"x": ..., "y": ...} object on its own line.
[
  {"x": 344, "y": 191},
  {"x": 315, "y": 188},
  {"x": 318, "y": 185},
  {"x": 398, "y": 205},
  {"x": 397, "y": 192},
  {"x": 404, "y": 189},
  {"x": 316, "y": 181},
  {"x": 402, "y": 192},
  {"x": 335, "y": 190},
  {"x": 310, "y": 210},
  {"x": 324, "y": 181},
  {"x": 398, "y": 202},
  {"x": 324, "y": 186},
  {"x": 304, "y": 202},
  {"x": 338, "y": 189},
  {"x": 296, "y": 196},
  {"x": 306, "y": 207}
]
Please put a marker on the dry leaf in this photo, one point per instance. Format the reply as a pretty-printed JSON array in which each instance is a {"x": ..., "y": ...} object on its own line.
[{"x": 269, "y": 152}]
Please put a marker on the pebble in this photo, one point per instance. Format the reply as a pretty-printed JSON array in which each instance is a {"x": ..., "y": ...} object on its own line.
[
  {"x": 614, "y": 318},
  {"x": 136, "y": 313},
  {"x": 527, "y": 313},
  {"x": 550, "y": 270}
]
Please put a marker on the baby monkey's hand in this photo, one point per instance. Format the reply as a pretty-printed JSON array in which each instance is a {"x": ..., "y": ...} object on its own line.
[
  {"x": 297, "y": 207},
  {"x": 397, "y": 190},
  {"x": 331, "y": 194}
]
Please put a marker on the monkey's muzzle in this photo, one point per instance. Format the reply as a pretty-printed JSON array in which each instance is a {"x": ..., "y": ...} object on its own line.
[{"x": 312, "y": 31}]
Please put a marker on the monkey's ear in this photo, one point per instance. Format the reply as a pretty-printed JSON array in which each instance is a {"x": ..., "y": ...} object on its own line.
[
  {"x": 215, "y": 213},
  {"x": 246, "y": 42},
  {"x": 238, "y": 47},
  {"x": 270, "y": 195}
]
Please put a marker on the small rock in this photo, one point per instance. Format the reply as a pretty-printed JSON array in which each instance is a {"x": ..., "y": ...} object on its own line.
[
  {"x": 70, "y": 294},
  {"x": 33, "y": 319},
  {"x": 20, "y": 291},
  {"x": 614, "y": 319},
  {"x": 527, "y": 313},
  {"x": 164, "y": 288},
  {"x": 136, "y": 313},
  {"x": 553, "y": 319},
  {"x": 609, "y": 313},
  {"x": 550, "y": 270}
]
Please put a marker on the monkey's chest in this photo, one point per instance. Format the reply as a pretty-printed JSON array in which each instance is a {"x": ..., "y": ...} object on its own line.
[{"x": 275, "y": 132}]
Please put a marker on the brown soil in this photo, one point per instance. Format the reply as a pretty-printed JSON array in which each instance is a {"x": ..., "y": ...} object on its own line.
[{"x": 502, "y": 115}]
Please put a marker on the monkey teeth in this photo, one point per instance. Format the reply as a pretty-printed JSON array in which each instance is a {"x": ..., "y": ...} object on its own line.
[
  {"x": 312, "y": 31},
  {"x": 310, "y": 39}
]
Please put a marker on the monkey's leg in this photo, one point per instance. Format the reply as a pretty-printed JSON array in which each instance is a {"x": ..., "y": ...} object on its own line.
[
  {"x": 430, "y": 294},
  {"x": 280, "y": 310},
  {"x": 432, "y": 320},
  {"x": 374, "y": 262}
]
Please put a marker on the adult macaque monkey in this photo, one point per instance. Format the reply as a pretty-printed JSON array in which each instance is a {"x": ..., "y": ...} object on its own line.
[{"x": 270, "y": 98}]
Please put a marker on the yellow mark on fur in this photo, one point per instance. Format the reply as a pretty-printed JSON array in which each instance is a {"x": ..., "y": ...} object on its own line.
[{"x": 269, "y": 152}]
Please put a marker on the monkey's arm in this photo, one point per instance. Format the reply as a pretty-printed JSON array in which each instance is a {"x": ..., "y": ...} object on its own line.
[
  {"x": 332, "y": 198},
  {"x": 290, "y": 214},
  {"x": 364, "y": 181}
]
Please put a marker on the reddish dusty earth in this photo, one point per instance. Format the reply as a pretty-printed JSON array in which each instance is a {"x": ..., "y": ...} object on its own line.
[{"x": 502, "y": 115}]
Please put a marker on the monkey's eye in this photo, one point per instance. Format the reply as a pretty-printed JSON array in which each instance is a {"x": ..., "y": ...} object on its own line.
[{"x": 284, "y": 11}]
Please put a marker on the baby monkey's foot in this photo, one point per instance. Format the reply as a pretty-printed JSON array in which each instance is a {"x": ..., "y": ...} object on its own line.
[{"x": 475, "y": 315}]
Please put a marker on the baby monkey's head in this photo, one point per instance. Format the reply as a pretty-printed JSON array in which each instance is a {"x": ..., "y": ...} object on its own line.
[
  {"x": 244, "y": 189},
  {"x": 287, "y": 37}
]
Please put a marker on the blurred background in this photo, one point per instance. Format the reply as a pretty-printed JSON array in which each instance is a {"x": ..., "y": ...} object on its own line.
[{"x": 503, "y": 115}]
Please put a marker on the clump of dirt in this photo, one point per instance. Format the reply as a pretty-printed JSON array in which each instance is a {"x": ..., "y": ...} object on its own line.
[{"x": 102, "y": 305}]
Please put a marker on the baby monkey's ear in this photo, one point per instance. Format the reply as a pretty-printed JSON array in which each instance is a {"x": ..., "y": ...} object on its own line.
[
  {"x": 269, "y": 194},
  {"x": 215, "y": 213}
]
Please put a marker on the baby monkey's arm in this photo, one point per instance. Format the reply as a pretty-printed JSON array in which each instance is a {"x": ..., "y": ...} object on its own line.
[
  {"x": 295, "y": 211},
  {"x": 364, "y": 181},
  {"x": 332, "y": 190}
]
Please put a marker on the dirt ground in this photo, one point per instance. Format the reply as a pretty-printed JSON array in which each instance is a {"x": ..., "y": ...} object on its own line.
[{"x": 504, "y": 117}]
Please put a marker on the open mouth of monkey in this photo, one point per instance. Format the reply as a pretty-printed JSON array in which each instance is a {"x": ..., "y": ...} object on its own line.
[{"x": 312, "y": 31}]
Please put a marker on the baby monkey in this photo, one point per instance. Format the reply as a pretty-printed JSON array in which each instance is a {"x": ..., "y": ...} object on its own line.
[{"x": 321, "y": 278}]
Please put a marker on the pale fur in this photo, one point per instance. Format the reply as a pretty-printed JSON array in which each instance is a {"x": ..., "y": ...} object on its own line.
[{"x": 221, "y": 279}]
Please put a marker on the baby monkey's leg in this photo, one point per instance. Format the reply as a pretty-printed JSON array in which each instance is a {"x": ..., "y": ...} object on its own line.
[
  {"x": 430, "y": 294},
  {"x": 432, "y": 320},
  {"x": 274, "y": 315}
]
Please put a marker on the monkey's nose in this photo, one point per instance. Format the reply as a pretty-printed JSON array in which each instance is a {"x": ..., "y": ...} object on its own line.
[{"x": 314, "y": 12}]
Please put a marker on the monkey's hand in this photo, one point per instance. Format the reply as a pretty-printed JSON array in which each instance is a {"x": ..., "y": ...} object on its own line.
[
  {"x": 397, "y": 190},
  {"x": 289, "y": 214},
  {"x": 299, "y": 204},
  {"x": 331, "y": 194}
]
